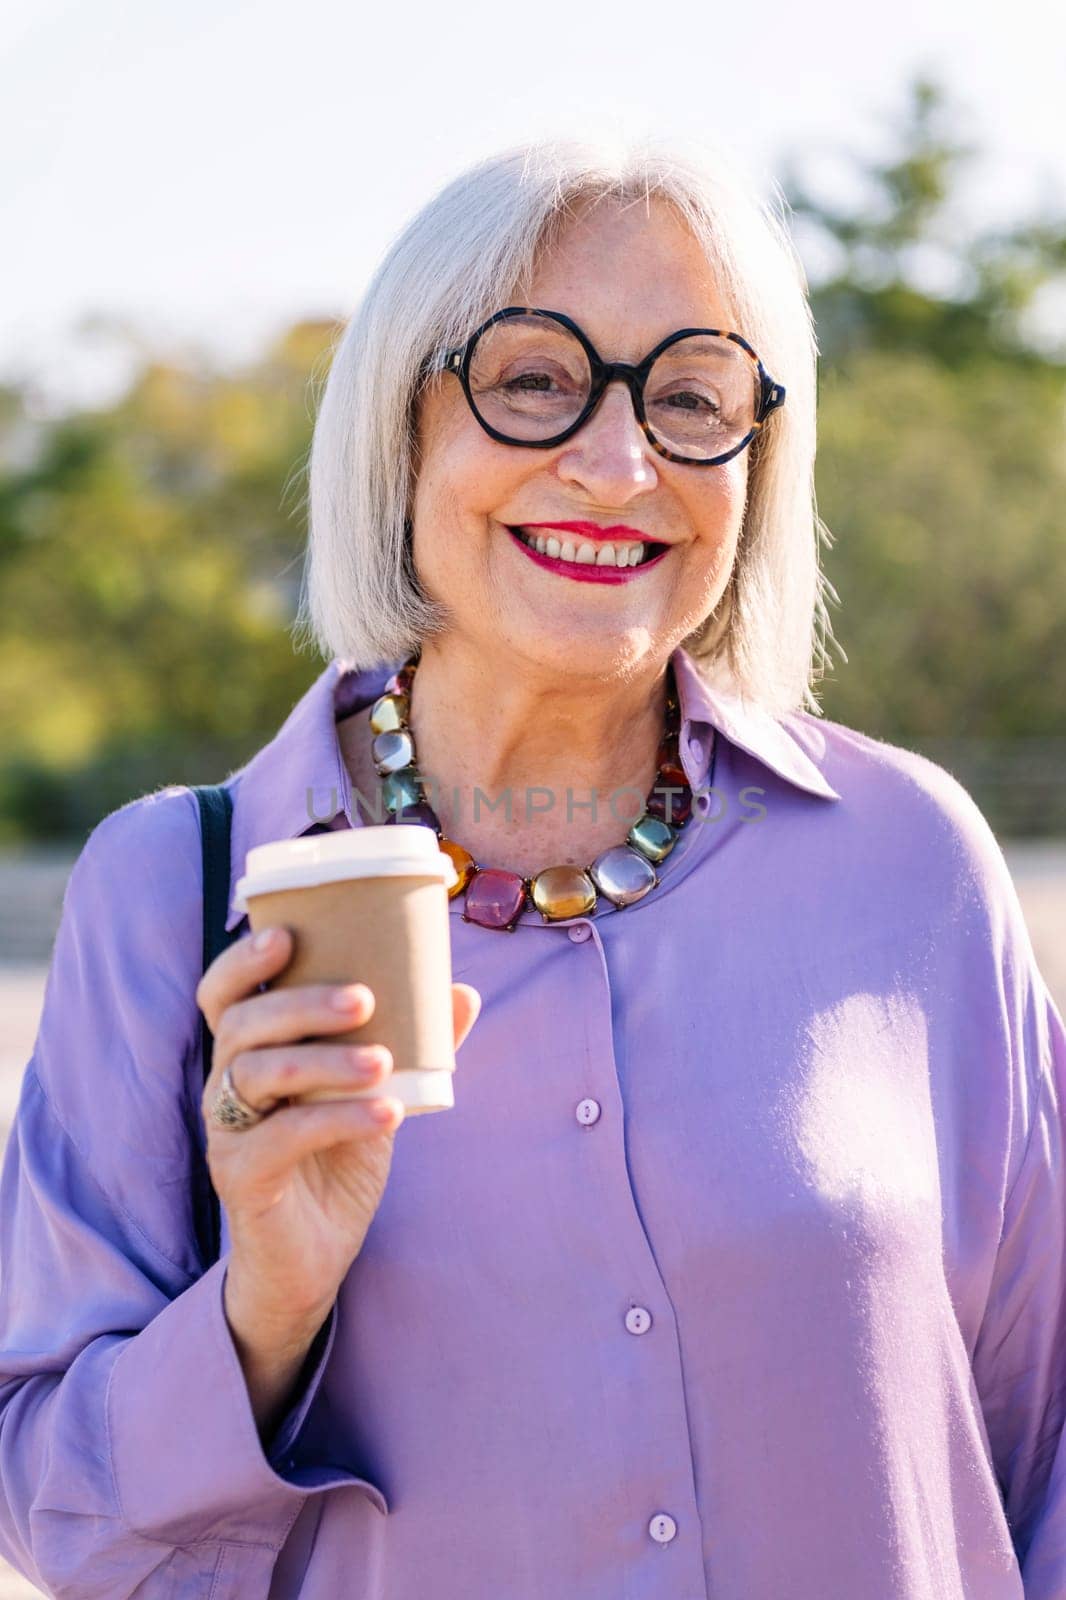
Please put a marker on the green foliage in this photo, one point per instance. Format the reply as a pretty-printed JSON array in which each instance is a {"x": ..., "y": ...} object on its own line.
[
  {"x": 150, "y": 552},
  {"x": 942, "y": 474},
  {"x": 944, "y": 492},
  {"x": 150, "y": 556},
  {"x": 876, "y": 297}
]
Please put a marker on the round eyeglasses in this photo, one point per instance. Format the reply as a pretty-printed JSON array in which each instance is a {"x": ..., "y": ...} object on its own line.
[{"x": 532, "y": 378}]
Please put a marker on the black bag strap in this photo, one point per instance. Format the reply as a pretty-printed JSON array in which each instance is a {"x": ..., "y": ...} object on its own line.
[{"x": 216, "y": 811}]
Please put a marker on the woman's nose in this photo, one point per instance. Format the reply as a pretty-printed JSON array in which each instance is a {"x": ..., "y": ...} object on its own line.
[{"x": 609, "y": 457}]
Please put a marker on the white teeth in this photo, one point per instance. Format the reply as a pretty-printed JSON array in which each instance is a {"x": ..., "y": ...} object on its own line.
[{"x": 586, "y": 553}]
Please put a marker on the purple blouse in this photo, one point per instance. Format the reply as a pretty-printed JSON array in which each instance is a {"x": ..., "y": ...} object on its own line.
[{"x": 737, "y": 1272}]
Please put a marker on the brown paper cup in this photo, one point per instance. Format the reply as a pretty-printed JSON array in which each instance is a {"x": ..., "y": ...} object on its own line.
[{"x": 370, "y": 910}]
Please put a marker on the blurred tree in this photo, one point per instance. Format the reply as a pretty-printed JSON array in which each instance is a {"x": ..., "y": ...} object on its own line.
[
  {"x": 945, "y": 499},
  {"x": 913, "y": 225},
  {"x": 942, "y": 470},
  {"x": 150, "y": 559}
]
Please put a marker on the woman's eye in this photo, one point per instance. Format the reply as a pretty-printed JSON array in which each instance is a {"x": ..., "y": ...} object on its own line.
[
  {"x": 529, "y": 380},
  {"x": 687, "y": 400}
]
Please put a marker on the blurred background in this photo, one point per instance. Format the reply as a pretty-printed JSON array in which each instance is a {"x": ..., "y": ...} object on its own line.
[{"x": 195, "y": 198}]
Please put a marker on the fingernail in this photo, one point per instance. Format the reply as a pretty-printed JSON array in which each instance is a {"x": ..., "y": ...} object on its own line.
[
  {"x": 262, "y": 940},
  {"x": 348, "y": 999}
]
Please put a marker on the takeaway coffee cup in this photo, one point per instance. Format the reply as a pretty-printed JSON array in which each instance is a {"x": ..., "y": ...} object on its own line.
[{"x": 369, "y": 905}]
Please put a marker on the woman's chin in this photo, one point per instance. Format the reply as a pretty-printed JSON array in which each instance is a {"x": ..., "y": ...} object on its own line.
[{"x": 579, "y": 650}]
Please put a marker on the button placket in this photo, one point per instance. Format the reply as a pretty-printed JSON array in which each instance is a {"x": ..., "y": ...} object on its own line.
[
  {"x": 655, "y": 1426},
  {"x": 586, "y": 1111}
]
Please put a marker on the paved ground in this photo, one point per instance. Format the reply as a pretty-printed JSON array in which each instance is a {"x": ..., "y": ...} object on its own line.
[{"x": 31, "y": 893}]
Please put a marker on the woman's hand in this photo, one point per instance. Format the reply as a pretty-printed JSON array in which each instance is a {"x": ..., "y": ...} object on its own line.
[{"x": 301, "y": 1187}]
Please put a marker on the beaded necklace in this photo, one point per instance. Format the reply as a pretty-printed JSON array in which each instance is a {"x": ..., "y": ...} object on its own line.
[{"x": 495, "y": 898}]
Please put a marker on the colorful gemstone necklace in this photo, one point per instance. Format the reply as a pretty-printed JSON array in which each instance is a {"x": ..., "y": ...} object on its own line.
[{"x": 496, "y": 899}]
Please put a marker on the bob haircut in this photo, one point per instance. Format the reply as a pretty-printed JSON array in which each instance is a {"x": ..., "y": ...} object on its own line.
[{"x": 467, "y": 253}]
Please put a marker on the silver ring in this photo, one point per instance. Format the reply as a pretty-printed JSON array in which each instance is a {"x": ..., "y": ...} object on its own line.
[{"x": 231, "y": 1110}]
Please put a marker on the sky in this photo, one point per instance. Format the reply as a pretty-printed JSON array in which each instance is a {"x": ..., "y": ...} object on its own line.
[{"x": 201, "y": 175}]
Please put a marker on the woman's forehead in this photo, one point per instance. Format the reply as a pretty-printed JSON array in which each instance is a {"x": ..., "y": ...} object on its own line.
[{"x": 627, "y": 271}]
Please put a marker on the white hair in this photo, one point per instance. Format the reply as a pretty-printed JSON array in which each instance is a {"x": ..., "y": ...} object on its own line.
[{"x": 462, "y": 257}]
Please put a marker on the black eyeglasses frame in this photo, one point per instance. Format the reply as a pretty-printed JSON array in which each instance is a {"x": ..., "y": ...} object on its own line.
[{"x": 771, "y": 393}]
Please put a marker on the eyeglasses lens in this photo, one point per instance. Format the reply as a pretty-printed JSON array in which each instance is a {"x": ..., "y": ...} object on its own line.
[
  {"x": 701, "y": 396},
  {"x": 529, "y": 377},
  {"x": 530, "y": 380}
]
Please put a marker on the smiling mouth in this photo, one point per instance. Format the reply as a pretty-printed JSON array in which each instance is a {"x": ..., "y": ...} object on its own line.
[{"x": 615, "y": 554}]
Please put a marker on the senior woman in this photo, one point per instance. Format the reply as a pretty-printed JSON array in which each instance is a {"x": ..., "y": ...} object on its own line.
[{"x": 737, "y": 1268}]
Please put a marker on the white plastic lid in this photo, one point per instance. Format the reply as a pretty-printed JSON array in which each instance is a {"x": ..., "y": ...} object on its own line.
[{"x": 399, "y": 850}]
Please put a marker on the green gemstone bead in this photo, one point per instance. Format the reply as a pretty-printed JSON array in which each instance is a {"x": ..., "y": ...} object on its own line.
[
  {"x": 401, "y": 789},
  {"x": 652, "y": 837}
]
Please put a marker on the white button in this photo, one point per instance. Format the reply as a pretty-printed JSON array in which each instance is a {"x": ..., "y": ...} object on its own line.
[
  {"x": 697, "y": 750},
  {"x": 588, "y": 1111},
  {"x": 579, "y": 932},
  {"x": 638, "y": 1319},
  {"x": 662, "y": 1528}
]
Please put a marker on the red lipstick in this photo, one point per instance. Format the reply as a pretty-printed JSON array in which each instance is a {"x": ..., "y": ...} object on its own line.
[{"x": 584, "y": 571}]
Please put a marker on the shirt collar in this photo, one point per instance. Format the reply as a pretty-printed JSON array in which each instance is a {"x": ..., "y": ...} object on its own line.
[
  {"x": 772, "y": 740},
  {"x": 300, "y": 778}
]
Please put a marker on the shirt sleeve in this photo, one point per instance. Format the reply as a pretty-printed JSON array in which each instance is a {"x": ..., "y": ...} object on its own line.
[
  {"x": 1019, "y": 1359},
  {"x": 130, "y": 1459}
]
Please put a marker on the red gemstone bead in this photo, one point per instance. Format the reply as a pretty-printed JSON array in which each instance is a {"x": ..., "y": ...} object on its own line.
[
  {"x": 419, "y": 812},
  {"x": 401, "y": 681},
  {"x": 672, "y": 774},
  {"x": 494, "y": 898},
  {"x": 680, "y": 804},
  {"x": 669, "y": 749}
]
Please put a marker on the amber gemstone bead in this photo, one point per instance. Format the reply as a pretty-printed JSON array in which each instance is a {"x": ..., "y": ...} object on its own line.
[
  {"x": 389, "y": 713},
  {"x": 495, "y": 898},
  {"x": 680, "y": 805},
  {"x": 462, "y": 861},
  {"x": 564, "y": 891}
]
